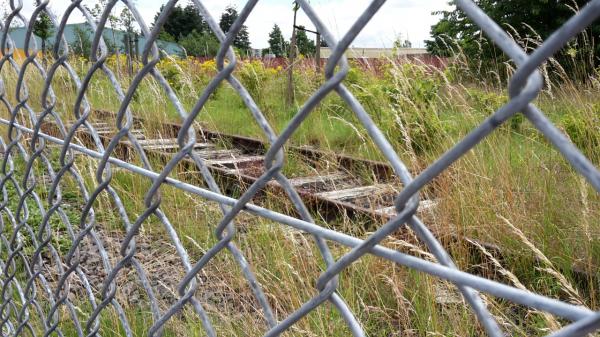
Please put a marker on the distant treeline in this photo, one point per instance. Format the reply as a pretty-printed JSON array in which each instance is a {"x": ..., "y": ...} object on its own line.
[{"x": 529, "y": 22}]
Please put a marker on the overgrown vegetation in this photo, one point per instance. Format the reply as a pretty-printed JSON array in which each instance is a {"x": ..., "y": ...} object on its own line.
[
  {"x": 187, "y": 27},
  {"x": 529, "y": 23},
  {"x": 513, "y": 190}
]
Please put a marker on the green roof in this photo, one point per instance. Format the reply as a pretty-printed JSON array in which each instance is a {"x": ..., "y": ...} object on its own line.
[{"x": 111, "y": 36}]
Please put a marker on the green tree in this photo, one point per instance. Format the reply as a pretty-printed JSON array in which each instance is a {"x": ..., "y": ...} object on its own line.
[
  {"x": 277, "y": 44},
  {"x": 242, "y": 39},
  {"x": 113, "y": 23},
  {"x": 200, "y": 44},
  {"x": 129, "y": 38},
  {"x": 400, "y": 42},
  {"x": 527, "y": 21},
  {"x": 82, "y": 43},
  {"x": 43, "y": 29},
  {"x": 180, "y": 23},
  {"x": 228, "y": 18},
  {"x": 305, "y": 45},
  {"x": 5, "y": 11},
  {"x": 164, "y": 36}
]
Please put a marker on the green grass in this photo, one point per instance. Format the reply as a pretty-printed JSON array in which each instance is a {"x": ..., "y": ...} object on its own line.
[{"x": 513, "y": 190}]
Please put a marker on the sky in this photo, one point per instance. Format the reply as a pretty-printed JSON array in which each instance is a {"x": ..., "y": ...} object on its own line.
[{"x": 410, "y": 19}]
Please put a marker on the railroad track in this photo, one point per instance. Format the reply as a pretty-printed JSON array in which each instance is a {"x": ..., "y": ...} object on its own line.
[{"x": 336, "y": 185}]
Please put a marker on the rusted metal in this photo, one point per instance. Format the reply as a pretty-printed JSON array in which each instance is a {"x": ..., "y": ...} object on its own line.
[
  {"x": 246, "y": 167},
  {"x": 330, "y": 196}
]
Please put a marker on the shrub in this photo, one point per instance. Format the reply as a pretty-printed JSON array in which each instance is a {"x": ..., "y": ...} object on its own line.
[
  {"x": 171, "y": 72},
  {"x": 583, "y": 128},
  {"x": 488, "y": 102},
  {"x": 255, "y": 76},
  {"x": 424, "y": 128},
  {"x": 368, "y": 91},
  {"x": 414, "y": 83},
  {"x": 413, "y": 92},
  {"x": 200, "y": 44}
]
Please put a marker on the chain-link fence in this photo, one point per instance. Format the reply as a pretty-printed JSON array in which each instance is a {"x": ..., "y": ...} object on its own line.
[{"x": 39, "y": 278}]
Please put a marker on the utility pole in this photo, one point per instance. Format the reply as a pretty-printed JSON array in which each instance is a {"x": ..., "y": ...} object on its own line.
[
  {"x": 292, "y": 54},
  {"x": 318, "y": 45},
  {"x": 318, "y": 53}
]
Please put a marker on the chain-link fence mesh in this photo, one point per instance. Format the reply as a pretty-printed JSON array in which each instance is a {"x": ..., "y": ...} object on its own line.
[{"x": 43, "y": 281}]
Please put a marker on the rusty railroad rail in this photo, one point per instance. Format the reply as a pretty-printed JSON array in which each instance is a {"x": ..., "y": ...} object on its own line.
[{"x": 333, "y": 195}]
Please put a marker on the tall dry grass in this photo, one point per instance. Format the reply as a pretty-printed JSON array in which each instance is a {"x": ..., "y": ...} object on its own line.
[{"x": 512, "y": 190}]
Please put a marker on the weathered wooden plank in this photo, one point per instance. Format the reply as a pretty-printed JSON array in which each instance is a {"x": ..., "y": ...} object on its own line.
[
  {"x": 157, "y": 141},
  {"x": 318, "y": 180},
  {"x": 218, "y": 154},
  {"x": 355, "y": 192},
  {"x": 242, "y": 161},
  {"x": 171, "y": 146},
  {"x": 424, "y": 206}
]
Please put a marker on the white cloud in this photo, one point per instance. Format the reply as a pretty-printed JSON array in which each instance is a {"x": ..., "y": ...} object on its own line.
[{"x": 410, "y": 18}]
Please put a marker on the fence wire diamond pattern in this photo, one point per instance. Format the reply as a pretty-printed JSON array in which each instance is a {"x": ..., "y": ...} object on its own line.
[{"x": 29, "y": 296}]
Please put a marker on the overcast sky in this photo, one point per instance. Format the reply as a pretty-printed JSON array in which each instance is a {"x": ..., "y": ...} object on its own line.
[{"x": 410, "y": 18}]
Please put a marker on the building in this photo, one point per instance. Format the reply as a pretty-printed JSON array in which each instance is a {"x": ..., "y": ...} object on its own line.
[
  {"x": 74, "y": 32},
  {"x": 375, "y": 53}
]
